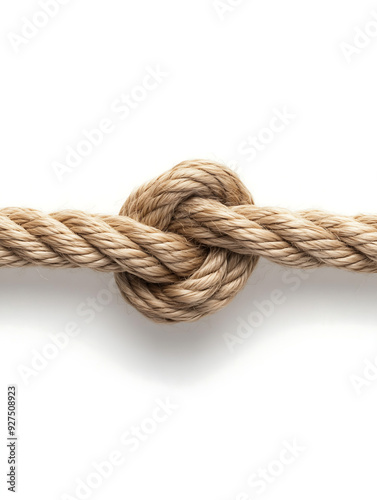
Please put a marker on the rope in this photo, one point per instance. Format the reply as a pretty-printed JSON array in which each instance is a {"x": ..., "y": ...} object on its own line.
[{"x": 185, "y": 243}]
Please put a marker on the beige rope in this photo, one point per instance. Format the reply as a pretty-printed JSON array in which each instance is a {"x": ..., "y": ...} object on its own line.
[{"x": 185, "y": 243}]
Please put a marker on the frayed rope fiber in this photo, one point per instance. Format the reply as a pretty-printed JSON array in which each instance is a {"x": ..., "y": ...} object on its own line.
[{"x": 185, "y": 243}]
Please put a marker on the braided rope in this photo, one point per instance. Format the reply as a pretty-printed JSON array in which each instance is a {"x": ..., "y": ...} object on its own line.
[{"x": 185, "y": 243}]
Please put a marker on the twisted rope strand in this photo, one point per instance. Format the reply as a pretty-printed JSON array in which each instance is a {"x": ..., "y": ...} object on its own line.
[
  {"x": 186, "y": 243},
  {"x": 304, "y": 239},
  {"x": 104, "y": 243}
]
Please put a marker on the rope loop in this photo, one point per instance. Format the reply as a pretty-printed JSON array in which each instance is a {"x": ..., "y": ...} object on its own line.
[{"x": 220, "y": 275}]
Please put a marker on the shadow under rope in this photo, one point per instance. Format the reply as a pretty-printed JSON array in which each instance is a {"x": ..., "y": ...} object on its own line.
[{"x": 274, "y": 300}]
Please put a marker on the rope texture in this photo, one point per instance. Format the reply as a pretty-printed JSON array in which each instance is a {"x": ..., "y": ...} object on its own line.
[{"x": 185, "y": 243}]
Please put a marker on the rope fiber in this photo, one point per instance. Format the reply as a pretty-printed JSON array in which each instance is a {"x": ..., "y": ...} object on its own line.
[{"x": 185, "y": 243}]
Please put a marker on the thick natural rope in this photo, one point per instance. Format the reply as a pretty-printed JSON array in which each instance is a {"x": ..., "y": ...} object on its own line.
[{"x": 185, "y": 243}]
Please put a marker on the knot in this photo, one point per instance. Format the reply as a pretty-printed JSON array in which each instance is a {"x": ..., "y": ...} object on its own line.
[
  {"x": 186, "y": 243},
  {"x": 217, "y": 273}
]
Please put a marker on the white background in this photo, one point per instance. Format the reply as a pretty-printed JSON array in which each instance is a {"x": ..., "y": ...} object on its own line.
[{"x": 293, "y": 378}]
